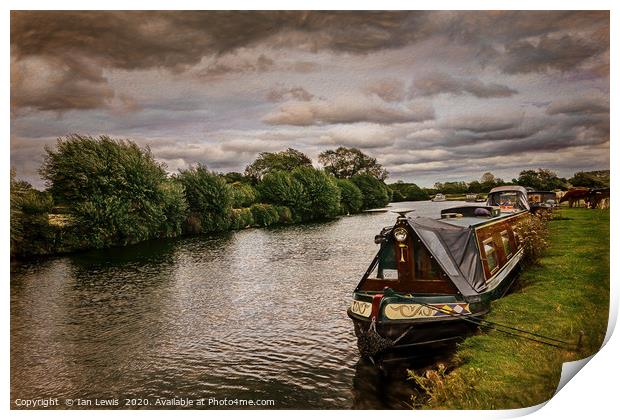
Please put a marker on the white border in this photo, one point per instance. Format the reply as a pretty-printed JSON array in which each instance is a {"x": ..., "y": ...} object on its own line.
[{"x": 591, "y": 394}]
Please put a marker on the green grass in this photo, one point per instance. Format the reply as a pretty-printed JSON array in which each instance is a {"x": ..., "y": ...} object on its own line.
[{"x": 568, "y": 291}]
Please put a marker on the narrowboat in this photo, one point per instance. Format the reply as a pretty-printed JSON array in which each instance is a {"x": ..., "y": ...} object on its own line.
[
  {"x": 439, "y": 197},
  {"x": 431, "y": 276},
  {"x": 542, "y": 199}
]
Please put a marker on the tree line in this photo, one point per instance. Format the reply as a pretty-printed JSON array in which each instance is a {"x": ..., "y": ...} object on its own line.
[
  {"x": 539, "y": 180},
  {"x": 103, "y": 192}
]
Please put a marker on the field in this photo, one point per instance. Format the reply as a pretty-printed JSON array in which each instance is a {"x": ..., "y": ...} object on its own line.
[{"x": 565, "y": 293}]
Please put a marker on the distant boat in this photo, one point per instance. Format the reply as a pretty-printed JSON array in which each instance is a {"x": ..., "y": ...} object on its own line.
[
  {"x": 439, "y": 197},
  {"x": 542, "y": 199},
  {"x": 430, "y": 275}
]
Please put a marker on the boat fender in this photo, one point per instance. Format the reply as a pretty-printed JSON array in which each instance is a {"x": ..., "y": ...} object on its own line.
[{"x": 376, "y": 305}]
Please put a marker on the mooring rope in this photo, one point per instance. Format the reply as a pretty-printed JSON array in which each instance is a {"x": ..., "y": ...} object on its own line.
[{"x": 565, "y": 345}]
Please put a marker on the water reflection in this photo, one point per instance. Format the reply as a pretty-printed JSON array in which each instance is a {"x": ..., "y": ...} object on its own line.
[{"x": 259, "y": 313}]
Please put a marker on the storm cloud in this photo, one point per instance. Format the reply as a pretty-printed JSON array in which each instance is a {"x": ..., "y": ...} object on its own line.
[{"x": 435, "y": 96}]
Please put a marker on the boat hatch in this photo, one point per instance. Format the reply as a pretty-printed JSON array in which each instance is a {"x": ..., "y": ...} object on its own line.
[{"x": 404, "y": 264}]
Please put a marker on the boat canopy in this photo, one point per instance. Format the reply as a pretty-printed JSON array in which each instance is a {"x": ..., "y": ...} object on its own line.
[
  {"x": 521, "y": 196},
  {"x": 455, "y": 250}
]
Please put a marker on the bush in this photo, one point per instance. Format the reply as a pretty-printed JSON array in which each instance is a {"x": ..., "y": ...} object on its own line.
[
  {"x": 209, "y": 198},
  {"x": 116, "y": 189},
  {"x": 285, "y": 215},
  {"x": 533, "y": 233},
  {"x": 402, "y": 191},
  {"x": 351, "y": 199},
  {"x": 36, "y": 202},
  {"x": 243, "y": 195},
  {"x": 280, "y": 188},
  {"x": 175, "y": 209},
  {"x": 264, "y": 215},
  {"x": 241, "y": 218},
  {"x": 321, "y": 193},
  {"x": 374, "y": 192}
]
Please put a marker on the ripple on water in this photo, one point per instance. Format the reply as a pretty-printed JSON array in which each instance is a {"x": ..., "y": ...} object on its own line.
[{"x": 259, "y": 313}]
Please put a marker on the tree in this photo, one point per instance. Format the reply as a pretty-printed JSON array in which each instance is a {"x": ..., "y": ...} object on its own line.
[
  {"x": 487, "y": 178},
  {"x": 593, "y": 179},
  {"x": 280, "y": 188},
  {"x": 115, "y": 189},
  {"x": 345, "y": 163},
  {"x": 243, "y": 195},
  {"x": 321, "y": 193},
  {"x": 374, "y": 191},
  {"x": 474, "y": 187},
  {"x": 232, "y": 177},
  {"x": 542, "y": 179},
  {"x": 402, "y": 191},
  {"x": 351, "y": 199},
  {"x": 266, "y": 162},
  {"x": 310, "y": 193},
  {"x": 488, "y": 182},
  {"x": 209, "y": 198}
]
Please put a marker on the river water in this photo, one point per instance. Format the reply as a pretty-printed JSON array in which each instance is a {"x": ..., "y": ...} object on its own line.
[{"x": 254, "y": 314}]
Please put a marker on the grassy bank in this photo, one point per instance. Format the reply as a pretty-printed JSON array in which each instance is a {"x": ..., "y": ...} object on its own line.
[{"x": 567, "y": 292}]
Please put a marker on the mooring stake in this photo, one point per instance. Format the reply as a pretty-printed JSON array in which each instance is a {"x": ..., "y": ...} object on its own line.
[{"x": 581, "y": 334}]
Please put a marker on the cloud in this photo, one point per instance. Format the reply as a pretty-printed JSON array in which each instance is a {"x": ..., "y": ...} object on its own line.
[
  {"x": 444, "y": 83},
  {"x": 361, "y": 135},
  {"x": 142, "y": 39},
  {"x": 56, "y": 84},
  {"x": 549, "y": 53},
  {"x": 348, "y": 110},
  {"x": 390, "y": 90},
  {"x": 234, "y": 64},
  {"x": 281, "y": 93},
  {"x": 483, "y": 123},
  {"x": 581, "y": 105}
]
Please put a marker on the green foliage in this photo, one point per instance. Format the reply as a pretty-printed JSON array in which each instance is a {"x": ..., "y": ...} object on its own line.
[
  {"x": 593, "y": 179},
  {"x": 175, "y": 209},
  {"x": 345, "y": 163},
  {"x": 209, "y": 198},
  {"x": 264, "y": 215},
  {"x": 374, "y": 191},
  {"x": 533, "y": 233},
  {"x": 402, "y": 191},
  {"x": 116, "y": 190},
  {"x": 540, "y": 180},
  {"x": 321, "y": 193},
  {"x": 36, "y": 202},
  {"x": 351, "y": 199},
  {"x": 83, "y": 167},
  {"x": 282, "y": 189},
  {"x": 241, "y": 218},
  {"x": 285, "y": 215},
  {"x": 232, "y": 177},
  {"x": 243, "y": 195},
  {"x": 567, "y": 292},
  {"x": 450, "y": 187},
  {"x": 267, "y": 162},
  {"x": 474, "y": 187}
]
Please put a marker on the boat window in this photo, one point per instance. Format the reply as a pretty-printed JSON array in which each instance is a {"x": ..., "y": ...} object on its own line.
[
  {"x": 387, "y": 268},
  {"x": 519, "y": 239},
  {"x": 506, "y": 243},
  {"x": 426, "y": 268},
  {"x": 490, "y": 254},
  {"x": 507, "y": 200}
]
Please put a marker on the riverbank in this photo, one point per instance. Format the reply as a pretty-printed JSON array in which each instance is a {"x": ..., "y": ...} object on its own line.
[{"x": 566, "y": 293}]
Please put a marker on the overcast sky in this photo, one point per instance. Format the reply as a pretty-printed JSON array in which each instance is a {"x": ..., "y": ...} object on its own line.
[{"x": 435, "y": 96}]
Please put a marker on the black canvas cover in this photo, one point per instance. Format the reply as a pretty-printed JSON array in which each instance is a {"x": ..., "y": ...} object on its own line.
[{"x": 456, "y": 251}]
